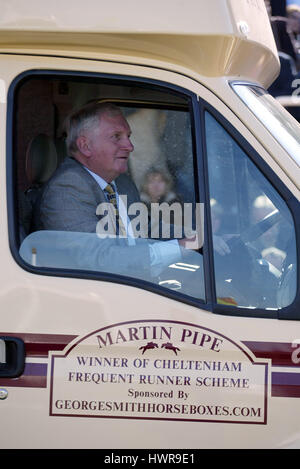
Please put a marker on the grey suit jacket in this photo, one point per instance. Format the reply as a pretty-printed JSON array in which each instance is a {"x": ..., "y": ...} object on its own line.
[
  {"x": 70, "y": 199},
  {"x": 68, "y": 203}
]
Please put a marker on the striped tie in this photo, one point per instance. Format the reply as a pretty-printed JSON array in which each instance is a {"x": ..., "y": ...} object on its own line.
[{"x": 112, "y": 197}]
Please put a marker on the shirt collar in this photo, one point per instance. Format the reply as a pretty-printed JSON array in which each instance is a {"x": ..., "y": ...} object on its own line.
[{"x": 102, "y": 183}]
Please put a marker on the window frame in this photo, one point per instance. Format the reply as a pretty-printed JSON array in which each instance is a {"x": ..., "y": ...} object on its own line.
[
  {"x": 11, "y": 177},
  {"x": 292, "y": 311}
]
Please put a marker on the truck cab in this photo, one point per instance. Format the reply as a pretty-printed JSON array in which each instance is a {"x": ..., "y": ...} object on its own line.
[{"x": 100, "y": 346}]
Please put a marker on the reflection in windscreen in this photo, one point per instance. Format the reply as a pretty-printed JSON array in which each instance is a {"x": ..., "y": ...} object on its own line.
[{"x": 274, "y": 117}]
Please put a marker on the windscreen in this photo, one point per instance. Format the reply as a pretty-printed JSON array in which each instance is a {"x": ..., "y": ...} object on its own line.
[{"x": 274, "y": 117}]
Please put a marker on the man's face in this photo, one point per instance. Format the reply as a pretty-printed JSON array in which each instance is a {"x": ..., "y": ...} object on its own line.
[{"x": 109, "y": 146}]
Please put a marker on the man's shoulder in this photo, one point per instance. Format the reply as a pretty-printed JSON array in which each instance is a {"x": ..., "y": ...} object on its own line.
[
  {"x": 69, "y": 165},
  {"x": 71, "y": 180},
  {"x": 69, "y": 171}
]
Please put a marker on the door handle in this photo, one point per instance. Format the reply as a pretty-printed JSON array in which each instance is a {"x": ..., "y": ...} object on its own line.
[{"x": 12, "y": 357}]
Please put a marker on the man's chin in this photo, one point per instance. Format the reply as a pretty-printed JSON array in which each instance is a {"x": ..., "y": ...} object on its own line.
[{"x": 123, "y": 167}]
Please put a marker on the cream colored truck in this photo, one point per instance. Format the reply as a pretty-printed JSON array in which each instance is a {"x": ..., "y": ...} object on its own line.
[{"x": 202, "y": 348}]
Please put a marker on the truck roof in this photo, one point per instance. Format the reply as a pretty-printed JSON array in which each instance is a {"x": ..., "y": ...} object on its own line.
[{"x": 213, "y": 38}]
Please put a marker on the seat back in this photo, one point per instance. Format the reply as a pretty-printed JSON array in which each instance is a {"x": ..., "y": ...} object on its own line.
[{"x": 41, "y": 162}]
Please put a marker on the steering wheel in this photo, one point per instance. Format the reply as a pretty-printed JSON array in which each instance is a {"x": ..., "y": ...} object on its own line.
[
  {"x": 242, "y": 270},
  {"x": 254, "y": 232}
]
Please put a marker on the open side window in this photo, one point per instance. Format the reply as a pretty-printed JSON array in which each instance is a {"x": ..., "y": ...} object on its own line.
[{"x": 57, "y": 233}]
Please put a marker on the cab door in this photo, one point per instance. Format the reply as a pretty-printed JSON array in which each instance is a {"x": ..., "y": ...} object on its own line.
[{"x": 172, "y": 350}]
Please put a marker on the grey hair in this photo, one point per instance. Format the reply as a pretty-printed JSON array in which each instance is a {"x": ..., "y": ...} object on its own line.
[{"x": 86, "y": 118}]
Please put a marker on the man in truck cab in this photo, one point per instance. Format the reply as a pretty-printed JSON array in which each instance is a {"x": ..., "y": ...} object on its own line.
[{"x": 99, "y": 146}]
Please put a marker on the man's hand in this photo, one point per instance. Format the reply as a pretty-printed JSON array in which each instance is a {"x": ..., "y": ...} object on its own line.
[
  {"x": 219, "y": 243},
  {"x": 192, "y": 242}
]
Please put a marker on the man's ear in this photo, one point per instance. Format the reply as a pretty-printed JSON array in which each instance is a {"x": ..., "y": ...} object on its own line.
[{"x": 83, "y": 146}]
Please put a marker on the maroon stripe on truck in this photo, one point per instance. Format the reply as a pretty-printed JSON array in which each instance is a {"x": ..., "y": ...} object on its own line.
[
  {"x": 39, "y": 345},
  {"x": 279, "y": 352}
]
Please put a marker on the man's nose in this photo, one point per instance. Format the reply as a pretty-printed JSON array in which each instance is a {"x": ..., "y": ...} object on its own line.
[{"x": 128, "y": 144}]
